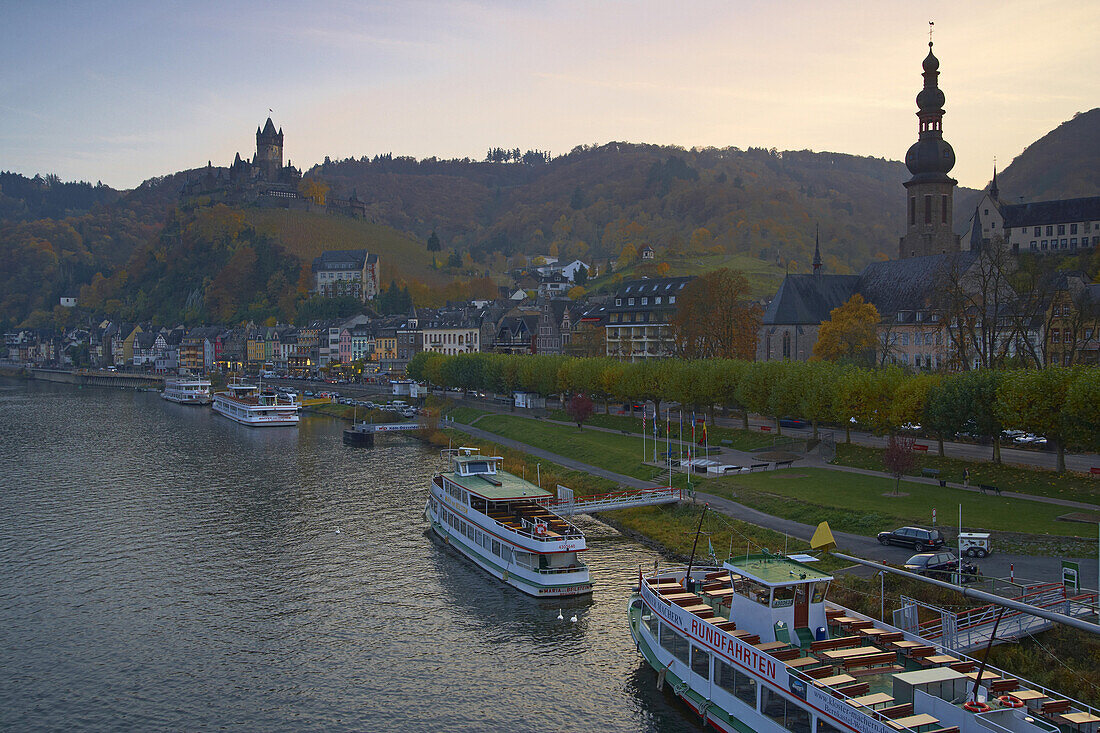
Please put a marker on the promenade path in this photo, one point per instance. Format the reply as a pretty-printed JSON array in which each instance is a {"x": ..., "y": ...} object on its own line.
[{"x": 998, "y": 564}]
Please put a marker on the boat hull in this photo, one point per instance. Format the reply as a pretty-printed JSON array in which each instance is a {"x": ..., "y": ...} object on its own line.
[
  {"x": 494, "y": 568},
  {"x": 203, "y": 400}
]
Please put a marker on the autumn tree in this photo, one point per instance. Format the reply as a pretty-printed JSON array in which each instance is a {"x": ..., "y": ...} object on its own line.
[
  {"x": 314, "y": 190},
  {"x": 716, "y": 318},
  {"x": 627, "y": 256},
  {"x": 849, "y": 334},
  {"x": 898, "y": 458},
  {"x": 579, "y": 409},
  {"x": 1035, "y": 400}
]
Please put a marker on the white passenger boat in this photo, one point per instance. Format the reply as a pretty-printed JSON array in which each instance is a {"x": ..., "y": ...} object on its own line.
[
  {"x": 187, "y": 390},
  {"x": 754, "y": 646},
  {"x": 256, "y": 406},
  {"x": 501, "y": 522}
]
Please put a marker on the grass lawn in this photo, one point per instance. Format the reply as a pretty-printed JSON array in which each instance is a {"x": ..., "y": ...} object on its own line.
[
  {"x": 864, "y": 504},
  {"x": 465, "y": 415},
  {"x": 616, "y": 452},
  {"x": 744, "y": 440},
  {"x": 1008, "y": 477}
]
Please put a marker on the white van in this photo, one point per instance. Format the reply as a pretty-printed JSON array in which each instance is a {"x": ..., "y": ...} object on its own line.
[{"x": 267, "y": 375}]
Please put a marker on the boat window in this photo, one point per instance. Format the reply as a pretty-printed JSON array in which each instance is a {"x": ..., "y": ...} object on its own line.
[
  {"x": 653, "y": 621},
  {"x": 784, "y": 712},
  {"x": 496, "y": 547},
  {"x": 740, "y": 685},
  {"x": 700, "y": 662},
  {"x": 676, "y": 644},
  {"x": 474, "y": 467},
  {"x": 757, "y": 592},
  {"x": 783, "y": 596},
  {"x": 821, "y": 589}
]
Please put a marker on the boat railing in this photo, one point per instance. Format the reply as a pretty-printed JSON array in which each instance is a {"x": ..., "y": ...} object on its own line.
[{"x": 528, "y": 529}]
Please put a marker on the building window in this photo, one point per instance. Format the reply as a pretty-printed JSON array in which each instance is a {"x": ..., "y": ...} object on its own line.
[
  {"x": 1072, "y": 228},
  {"x": 905, "y": 339},
  {"x": 786, "y": 344},
  {"x": 1073, "y": 243},
  {"x": 1034, "y": 244},
  {"x": 927, "y": 209},
  {"x": 1061, "y": 229},
  {"x": 618, "y": 301},
  {"x": 912, "y": 210},
  {"x": 645, "y": 301},
  {"x": 1038, "y": 231},
  {"x": 630, "y": 302},
  {"x": 1043, "y": 244},
  {"x": 671, "y": 299},
  {"x": 943, "y": 210},
  {"x": 1050, "y": 230}
]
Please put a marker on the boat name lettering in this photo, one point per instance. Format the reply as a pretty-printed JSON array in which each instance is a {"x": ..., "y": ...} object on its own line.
[
  {"x": 844, "y": 713},
  {"x": 452, "y": 504},
  {"x": 743, "y": 653},
  {"x": 783, "y": 603}
]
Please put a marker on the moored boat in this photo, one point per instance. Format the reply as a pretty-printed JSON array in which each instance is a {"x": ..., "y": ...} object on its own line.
[
  {"x": 256, "y": 406},
  {"x": 187, "y": 390},
  {"x": 754, "y": 645},
  {"x": 503, "y": 524}
]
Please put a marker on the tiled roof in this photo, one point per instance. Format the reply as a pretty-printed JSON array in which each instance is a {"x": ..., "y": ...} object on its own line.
[
  {"x": 1052, "y": 212},
  {"x": 808, "y": 299}
]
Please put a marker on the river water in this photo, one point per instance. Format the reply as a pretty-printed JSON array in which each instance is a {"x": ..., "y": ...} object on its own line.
[{"x": 162, "y": 567}]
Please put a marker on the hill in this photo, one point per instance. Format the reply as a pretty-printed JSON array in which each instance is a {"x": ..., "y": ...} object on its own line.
[
  {"x": 1061, "y": 164},
  {"x": 594, "y": 201}
]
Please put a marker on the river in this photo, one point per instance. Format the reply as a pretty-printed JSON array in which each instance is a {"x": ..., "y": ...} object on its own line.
[{"x": 162, "y": 567}]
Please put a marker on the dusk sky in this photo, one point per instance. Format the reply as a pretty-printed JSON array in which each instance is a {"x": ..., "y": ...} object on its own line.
[{"x": 124, "y": 91}]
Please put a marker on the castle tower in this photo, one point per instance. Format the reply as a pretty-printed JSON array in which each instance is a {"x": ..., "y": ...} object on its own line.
[
  {"x": 930, "y": 192},
  {"x": 269, "y": 151}
]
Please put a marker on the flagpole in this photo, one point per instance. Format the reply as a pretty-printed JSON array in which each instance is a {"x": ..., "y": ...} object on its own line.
[
  {"x": 681, "y": 437},
  {"x": 643, "y": 433}
]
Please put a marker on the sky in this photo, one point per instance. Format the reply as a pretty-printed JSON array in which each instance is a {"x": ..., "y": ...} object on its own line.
[{"x": 120, "y": 92}]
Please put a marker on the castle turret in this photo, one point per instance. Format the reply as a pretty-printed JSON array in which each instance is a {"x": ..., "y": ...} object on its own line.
[
  {"x": 930, "y": 192},
  {"x": 269, "y": 151}
]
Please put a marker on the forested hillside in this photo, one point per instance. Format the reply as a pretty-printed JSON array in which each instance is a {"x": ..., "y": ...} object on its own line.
[
  {"x": 1064, "y": 163},
  {"x": 594, "y": 201}
]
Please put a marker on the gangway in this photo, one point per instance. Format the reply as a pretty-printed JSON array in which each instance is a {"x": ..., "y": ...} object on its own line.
[
  {"x": 971, "y": 629},
  {"x": 567, "y": 504}
]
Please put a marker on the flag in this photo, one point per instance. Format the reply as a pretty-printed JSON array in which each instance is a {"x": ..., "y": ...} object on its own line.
[
  {"x": 704, "y": 431},
  {"x": 711, "y": 548},
  {"x": 655, "y": 421}
]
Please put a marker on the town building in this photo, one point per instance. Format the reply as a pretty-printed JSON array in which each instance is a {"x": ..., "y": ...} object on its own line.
[
  {"x": 1062, "y": 226},
  {"x": 451, "y": 332},
  {"x": 341, "y": 272},
  {"x": 639, "y": 318}
]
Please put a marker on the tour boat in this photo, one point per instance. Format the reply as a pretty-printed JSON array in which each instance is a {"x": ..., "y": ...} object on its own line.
[
  {"x": 256, "y": 406},
  {"x": 187, "y": 390},
  {"x": 501, "y": 522},
  {"x": 754, "y": 646}
]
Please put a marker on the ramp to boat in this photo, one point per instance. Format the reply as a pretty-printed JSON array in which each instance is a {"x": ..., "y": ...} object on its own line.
[
  {"x": 568, "y": 505},
  {"x": 968, "y": 630}
]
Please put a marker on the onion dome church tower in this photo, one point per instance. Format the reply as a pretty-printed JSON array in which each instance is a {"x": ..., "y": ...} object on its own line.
[
  {"x": 269, "y": 151},
  {"x": 930, "y": 192}
]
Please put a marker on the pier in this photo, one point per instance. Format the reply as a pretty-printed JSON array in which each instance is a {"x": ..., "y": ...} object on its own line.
[
  {"x": 98, "y": 378},
  {"x": 567, "y": 505}
]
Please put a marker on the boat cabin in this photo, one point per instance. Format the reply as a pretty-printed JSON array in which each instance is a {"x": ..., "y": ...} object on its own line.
[{"x": 778, "y": 598}]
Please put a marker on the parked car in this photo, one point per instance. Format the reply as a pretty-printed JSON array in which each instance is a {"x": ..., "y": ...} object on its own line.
[
  {"x": 918, "y": 538},
  {"x": 793, "y": 422},
  {"x": 941, "y": 565}
]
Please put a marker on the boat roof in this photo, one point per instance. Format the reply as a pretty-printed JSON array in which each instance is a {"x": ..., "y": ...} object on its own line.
[
  {"x": 775, "y": 570},
  {"x": 510, "y": 487}
]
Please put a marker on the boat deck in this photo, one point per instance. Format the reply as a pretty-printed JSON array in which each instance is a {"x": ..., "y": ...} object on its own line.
[
  {"x": 525, "y": 515},
  {"x": 860, "y": 660}
]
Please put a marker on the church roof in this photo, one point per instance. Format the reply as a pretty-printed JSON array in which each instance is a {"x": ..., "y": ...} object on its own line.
[
  {"x": 809, "y": 298},
  {"x": 1052, "y": 212},
  {"x": 907, "y": 284}
]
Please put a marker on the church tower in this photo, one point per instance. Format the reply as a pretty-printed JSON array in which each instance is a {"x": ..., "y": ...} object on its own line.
[
  {"x": 930, "y": 192},
  {"x": 269, "y": 151}
]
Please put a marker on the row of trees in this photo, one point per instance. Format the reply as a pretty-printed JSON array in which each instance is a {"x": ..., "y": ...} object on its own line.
[{"x": 1060, "y": 403}]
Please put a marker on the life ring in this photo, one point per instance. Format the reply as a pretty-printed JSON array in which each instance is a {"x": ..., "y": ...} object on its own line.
[
  {"x": 975, "y": 706},
  {"x": 540, "y": 529},
  {"x": 1010, "y": 701}
]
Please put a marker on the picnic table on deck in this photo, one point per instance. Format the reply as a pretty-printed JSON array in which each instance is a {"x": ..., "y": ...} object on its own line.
[
  {"x": 857, "y": 651},
  {"x": 869, "y": 701},
  {"x": 839, "y": 679},
  {"x": 679, "y": 596},
  {"x": 770, "y": 645},
  {"x": 913, "y": 721},
  {"x": 1079, "y": 719},
  {"x": 1029, "y": 695},
  {"x": 872, "y": 632},
  {"x": 721, "y": 593},
  {"x": 907, "y": 644},
  {"x": 802, "y": 662},
  {"x": 941, "y": 659}
]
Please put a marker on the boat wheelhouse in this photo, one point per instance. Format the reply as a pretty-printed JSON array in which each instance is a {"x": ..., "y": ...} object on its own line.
[
  {"x": 754, "y": 645},
  {"x": 187, "y": 390},
  {"x": 256, "y": 406},
  {"x": 503, "y": 524}
]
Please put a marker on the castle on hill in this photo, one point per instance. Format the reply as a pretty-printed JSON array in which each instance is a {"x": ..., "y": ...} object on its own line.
[{"x": 264, "y": 180}]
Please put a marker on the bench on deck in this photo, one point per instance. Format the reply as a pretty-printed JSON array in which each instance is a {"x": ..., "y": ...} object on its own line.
[
  {"x": 1008, "y": 684},
  {"x": 839, "y": 642},
  {"x": 1054, "y": 707},
  {"x": 984, "y": 488},
  {"x": 964, "y": 666},
  {"x": 867, "y": 661},
  {"x": 727, "y": 626},
  {"x": 952, "y": 729},
  {"x": 787, "y": 653},
  {"x": 833, "y": 613},
  {"x": 919, "y": 652},
  {"x": 897, "y": 711},
  {"x": 820, "y": 672},
  {"x": 859, "y": 688}
]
